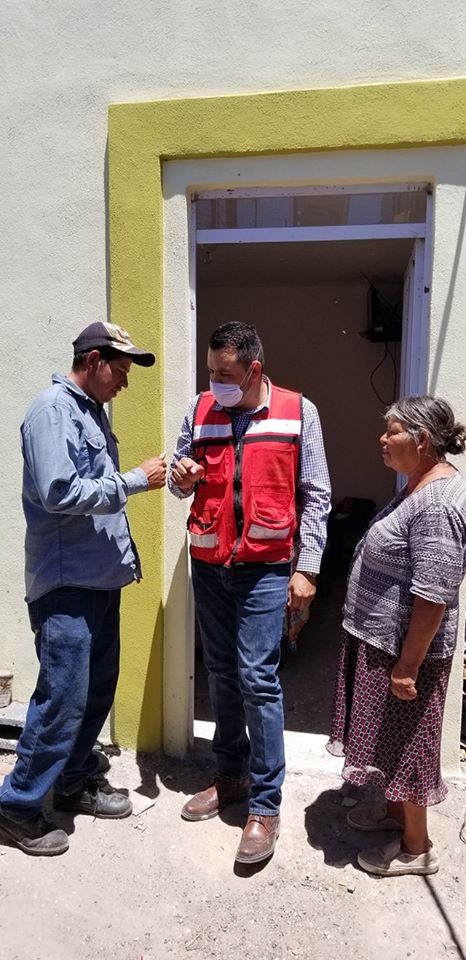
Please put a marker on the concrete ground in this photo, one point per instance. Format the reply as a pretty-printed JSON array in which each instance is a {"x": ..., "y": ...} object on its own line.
[{"x": 154, "y": 886}]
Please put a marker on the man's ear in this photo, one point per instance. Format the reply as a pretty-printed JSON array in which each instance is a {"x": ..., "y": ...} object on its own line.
[
  {"x": 256, "y": 369},
  {"x": 92, "y": 359}
]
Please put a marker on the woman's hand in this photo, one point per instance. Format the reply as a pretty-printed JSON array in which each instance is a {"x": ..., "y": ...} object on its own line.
[
  {"x": 426, "y": 618},
  {"x": 403, "y": 681}
]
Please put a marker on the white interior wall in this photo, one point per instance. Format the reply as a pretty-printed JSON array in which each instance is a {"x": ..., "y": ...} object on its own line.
[{"x": 312, "y": 344}]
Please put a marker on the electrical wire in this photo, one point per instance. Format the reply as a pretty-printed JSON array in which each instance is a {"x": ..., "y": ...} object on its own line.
[
  {"x": 395, "y": 374},
  {"x": 387, "y": 353}
]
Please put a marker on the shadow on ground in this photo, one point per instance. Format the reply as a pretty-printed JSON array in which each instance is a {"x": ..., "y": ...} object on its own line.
[
  {"x": 194, "y": 772},
  {"x": 327, "y": 828}
]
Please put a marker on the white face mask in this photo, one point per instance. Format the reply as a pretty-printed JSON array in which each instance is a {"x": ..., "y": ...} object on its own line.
[{"x": 228, "y": 394}]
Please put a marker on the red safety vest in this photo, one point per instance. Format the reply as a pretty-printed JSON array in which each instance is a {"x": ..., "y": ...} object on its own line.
[{"x": 244, "y": 511}]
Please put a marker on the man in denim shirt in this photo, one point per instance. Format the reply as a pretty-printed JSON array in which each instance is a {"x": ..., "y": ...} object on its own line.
[{"x": 79, "y": 553}]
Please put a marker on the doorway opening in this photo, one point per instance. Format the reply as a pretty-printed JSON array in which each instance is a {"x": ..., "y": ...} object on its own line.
[{"x": 340, "y": 313}]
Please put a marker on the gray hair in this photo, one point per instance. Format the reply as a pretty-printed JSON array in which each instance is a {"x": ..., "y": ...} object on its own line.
[{"x": 431, "y": 416}]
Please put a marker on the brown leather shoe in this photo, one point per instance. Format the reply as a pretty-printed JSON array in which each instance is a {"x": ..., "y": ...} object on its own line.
[
  {"x": 208, "y": 803},
  {"x": 258, "y": 840}
]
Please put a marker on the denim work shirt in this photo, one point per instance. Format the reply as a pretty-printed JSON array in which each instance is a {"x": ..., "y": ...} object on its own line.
[{"x": 77, "y": 533}]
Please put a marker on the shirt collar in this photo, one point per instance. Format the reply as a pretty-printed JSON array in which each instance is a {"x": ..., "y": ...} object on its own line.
[
  {"x": 72, "y": 387},
  {"x": 248, "y": 413}
]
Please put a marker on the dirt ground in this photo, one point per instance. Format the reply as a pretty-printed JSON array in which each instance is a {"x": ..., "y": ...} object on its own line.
[{"x": 154, "y": 886}]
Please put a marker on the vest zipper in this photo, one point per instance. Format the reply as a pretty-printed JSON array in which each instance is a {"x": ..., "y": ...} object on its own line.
[{"x": 238, "y": 496}]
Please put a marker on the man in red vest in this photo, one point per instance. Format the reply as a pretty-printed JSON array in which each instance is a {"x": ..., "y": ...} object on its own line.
[{"x": 246, "y": 450}]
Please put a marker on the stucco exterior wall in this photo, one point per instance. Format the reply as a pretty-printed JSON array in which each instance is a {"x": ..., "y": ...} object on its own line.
[{"x": 62, "y": 64}]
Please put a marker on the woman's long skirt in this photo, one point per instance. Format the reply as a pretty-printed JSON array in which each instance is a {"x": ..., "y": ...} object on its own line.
[{"x": 389, "y": 742}]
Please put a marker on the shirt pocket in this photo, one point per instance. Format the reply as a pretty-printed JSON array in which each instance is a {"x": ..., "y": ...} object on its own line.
[{"x": 93, "y": 455}]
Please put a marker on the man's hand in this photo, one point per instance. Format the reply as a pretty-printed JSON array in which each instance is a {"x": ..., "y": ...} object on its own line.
[
  {"x": 301, "y": 590},
  {"x": 403, "y": 681},
  {"x": 186, "y": 473},
  {"x": 155, "y": 470}
]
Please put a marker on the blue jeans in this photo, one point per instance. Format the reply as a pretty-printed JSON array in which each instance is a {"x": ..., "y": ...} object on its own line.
[
  {"x": 77, "y": 636},
  {"x": 240, "y": 615}
]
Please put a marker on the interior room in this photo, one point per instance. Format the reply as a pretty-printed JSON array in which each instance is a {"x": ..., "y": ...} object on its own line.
[{"x": 324, "y": 312}]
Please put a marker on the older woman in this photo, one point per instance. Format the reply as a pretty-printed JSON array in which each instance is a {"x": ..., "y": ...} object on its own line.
[{"x": 400, "y": 627}]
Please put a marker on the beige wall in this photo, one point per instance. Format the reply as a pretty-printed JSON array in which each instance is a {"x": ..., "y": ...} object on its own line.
[{"x": 312, "y": 344}]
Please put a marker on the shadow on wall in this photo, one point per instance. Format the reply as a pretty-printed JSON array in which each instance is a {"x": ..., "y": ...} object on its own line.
[{"x": 178, "y": 662}]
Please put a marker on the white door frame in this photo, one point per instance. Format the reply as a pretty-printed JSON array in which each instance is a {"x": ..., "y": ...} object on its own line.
[
  {"x": 412, "y": 375},
  {"x": 416, "y": 371}
]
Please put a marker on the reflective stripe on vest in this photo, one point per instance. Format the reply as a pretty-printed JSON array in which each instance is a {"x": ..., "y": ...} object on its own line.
[
  {"x": 205, "y": 542},
  {"x": 204, "y": 431},
  {"x": 268, "y": 426},
  {"x": 266, "y": 533}
]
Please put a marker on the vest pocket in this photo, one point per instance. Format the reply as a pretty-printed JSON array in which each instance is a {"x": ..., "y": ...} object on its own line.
[
  {"x": 272, "y": 514},
  {"x": 205, "y": 512}
]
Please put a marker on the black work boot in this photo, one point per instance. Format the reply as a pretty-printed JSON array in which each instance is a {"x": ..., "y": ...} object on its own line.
[
  {"x": 37, "y": 836},
  {"x": 95, "y": 799}
]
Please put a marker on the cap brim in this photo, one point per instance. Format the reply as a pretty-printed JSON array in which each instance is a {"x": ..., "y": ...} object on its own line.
[
  {"x": 143, "y": 358},
  {"x": 140, "y": 357}
]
